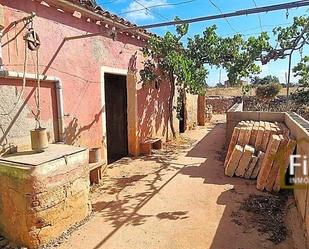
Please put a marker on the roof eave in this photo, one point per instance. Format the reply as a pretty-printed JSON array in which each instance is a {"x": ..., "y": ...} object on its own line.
[{"x": 69, "y": 6}]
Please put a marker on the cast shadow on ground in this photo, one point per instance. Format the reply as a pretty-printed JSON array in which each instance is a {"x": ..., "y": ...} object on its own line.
[
  {"x": 234, "y": 229},
  {"x": 124, "y": 209}
]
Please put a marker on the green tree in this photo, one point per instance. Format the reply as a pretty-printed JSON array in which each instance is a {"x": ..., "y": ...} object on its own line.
[
  {"x": 168, "y": 59},
  {"x": 205, "y": 48},
  {"x": 302, "y": 70},
  {"x": 236, "y": 55},
  {"x": 239, "y": 56}
]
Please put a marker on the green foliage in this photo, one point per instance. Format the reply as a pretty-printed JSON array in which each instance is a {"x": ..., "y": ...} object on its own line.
[
  {"x": 286, "y": 36},
  {"x": 268, "y": 92},
  {"x": 234, "y": 54},
  {"x": 239, "y": 55},
  {"x": 245, "y": 89},
  {"x": 301, "y": 96},
  {"x": 288, "y": 40},
  {"x": 302, "y": 70},
  {"x": 167, "y": 58},
  {"x": 265, "y": 80},
  {"x": 205, "y": 48}
]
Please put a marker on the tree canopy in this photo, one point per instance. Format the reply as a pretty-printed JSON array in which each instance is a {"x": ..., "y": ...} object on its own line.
[{"x": 235, "y": 54}]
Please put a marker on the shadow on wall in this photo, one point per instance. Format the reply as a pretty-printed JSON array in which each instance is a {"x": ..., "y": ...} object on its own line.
[
  {"x": 11, "y": 119},
  {"x": 153, "y": 111},
  {"x": 73, "y": 132},
  {"x": 152, "y": 105},
  {"x": 16, "y": 122}
]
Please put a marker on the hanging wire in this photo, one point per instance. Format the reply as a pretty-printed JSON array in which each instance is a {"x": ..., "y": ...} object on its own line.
[
  {"x": 228, "y": 22},
  {"x": 147, "y": 9},
  {"x": 157, "y": 6},
  {"x": 259, "y": 16}
]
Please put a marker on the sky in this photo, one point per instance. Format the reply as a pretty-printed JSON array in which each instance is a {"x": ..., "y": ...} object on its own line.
[{"x": 252, "y": 25}]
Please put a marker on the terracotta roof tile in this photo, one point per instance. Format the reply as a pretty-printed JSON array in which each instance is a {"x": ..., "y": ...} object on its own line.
[{"x": 90, "y": 5}]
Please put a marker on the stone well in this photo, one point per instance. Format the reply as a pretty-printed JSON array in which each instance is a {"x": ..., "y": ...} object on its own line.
[{"x": 43, "y": 194}]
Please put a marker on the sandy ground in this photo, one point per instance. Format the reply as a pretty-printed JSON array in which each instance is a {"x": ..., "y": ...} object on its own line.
[{"x": 177, "y": 199}]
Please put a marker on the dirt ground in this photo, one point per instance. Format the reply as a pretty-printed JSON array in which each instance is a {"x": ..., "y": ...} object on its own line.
[{"x": 180, "y": 198}]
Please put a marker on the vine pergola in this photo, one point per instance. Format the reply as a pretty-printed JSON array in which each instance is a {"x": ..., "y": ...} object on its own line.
[{"x": 183, "y": 63}]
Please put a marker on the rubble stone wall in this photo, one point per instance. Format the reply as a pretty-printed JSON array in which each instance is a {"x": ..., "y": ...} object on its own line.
[{"x": 220, "y": 104}]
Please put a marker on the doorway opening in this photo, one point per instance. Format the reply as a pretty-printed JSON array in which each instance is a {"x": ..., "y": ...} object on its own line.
[
  {"x": 182, "y": 124},
  {"x": 116, "y": 116}
]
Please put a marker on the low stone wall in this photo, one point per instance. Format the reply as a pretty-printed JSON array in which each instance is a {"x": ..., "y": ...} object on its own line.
[
  {"x": 220, "y": 104},
  {"x": 41, "y": 198},
  {"x": 299, "y": 129},
  {"x": 279, "y": 104}
]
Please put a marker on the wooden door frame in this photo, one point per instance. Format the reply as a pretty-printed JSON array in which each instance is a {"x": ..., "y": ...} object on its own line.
[{"x": 133, "y": 145}]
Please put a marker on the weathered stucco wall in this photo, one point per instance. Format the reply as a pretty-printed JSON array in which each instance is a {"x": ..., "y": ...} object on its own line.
[
  {"x": 16, "y": 123},
  {"x": 78, "y": 64},
  {"x": 192, "y": 109}
]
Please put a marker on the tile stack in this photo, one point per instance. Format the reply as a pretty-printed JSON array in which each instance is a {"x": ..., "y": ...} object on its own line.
[{"x": 259, "y": 150}]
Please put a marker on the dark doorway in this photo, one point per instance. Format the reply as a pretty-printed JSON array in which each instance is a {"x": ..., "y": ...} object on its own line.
[
  {"x": 182, "y": 117},
  {"x": 116, "y": 116}
]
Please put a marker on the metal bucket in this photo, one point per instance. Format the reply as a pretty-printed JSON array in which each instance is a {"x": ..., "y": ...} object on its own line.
[{"x": 39, "y": 139}]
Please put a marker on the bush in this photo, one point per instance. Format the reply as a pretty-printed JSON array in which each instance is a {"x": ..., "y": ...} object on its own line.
[
  {"x": 268, "y": 92},
  {"x": 301, "y": 96}
]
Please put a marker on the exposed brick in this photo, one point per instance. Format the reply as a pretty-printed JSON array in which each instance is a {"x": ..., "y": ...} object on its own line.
[
  {"x": 44, "y": 200},
  {"x": 248, "y": 135},
  {"x": 266, "y": 136},
  {"x": 220, "y": 104},
  {"x": 254, "y": 133},
  {"x": 242, "y": 136}
]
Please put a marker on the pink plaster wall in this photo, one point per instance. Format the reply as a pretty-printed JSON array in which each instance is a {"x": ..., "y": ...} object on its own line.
[{"x": 78, "y": 64}]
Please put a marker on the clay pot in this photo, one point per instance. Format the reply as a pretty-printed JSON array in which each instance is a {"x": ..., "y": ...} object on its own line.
[{"x": 39, "y": 139}]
